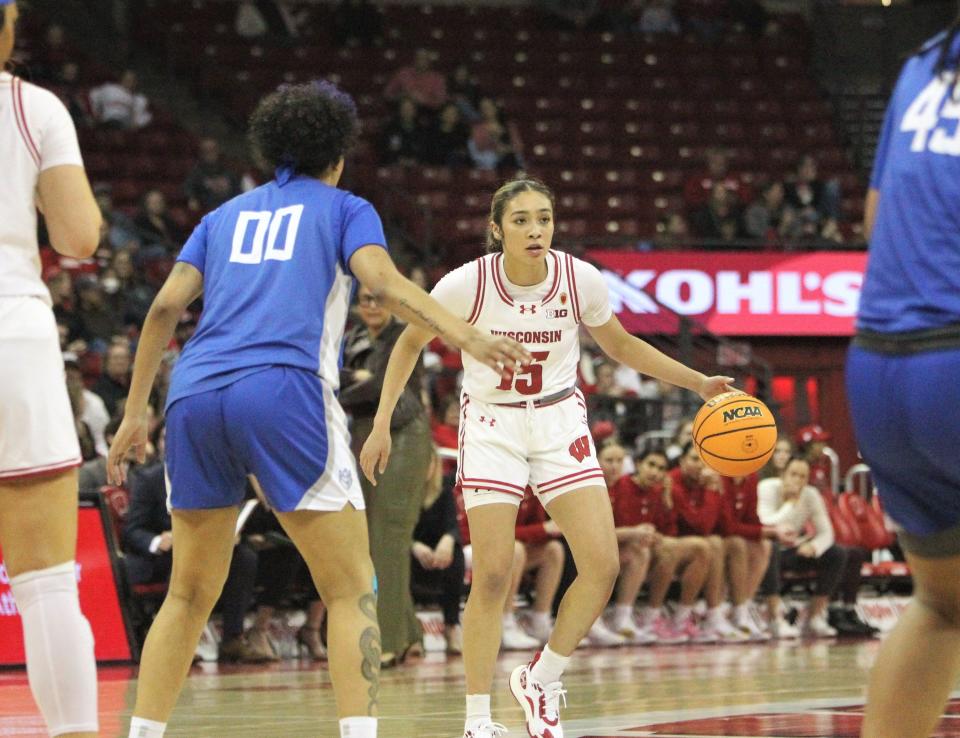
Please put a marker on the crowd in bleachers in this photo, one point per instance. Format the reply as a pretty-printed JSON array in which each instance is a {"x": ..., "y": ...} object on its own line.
[{"x": 623, "y": 143}]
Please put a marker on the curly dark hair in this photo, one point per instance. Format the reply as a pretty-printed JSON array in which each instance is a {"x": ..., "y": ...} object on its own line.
[{"x": 307, "y": 127}]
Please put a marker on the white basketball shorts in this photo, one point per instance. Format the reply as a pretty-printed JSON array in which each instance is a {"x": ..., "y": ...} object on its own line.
[
  {"x": 504, "y": 448},
  {"x": 37, "y": 431}
]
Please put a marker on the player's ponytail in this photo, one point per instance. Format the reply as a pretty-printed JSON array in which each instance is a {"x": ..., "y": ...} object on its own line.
[
  {"x": 946, "y": 62},
  {"x": 502, "y": 198}
]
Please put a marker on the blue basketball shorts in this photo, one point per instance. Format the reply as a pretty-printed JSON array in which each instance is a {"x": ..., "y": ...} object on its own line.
[
  {"x": 282, "y": 425},
  {"x": 906, "y": 414}
]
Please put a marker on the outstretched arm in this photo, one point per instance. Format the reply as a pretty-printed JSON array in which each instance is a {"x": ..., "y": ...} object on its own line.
[
  {"x": 640, "y": 355},
  {"x": 182, "y": 287}
]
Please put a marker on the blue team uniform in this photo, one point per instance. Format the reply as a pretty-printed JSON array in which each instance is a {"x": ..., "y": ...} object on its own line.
[
  {"x": 254, "y": 390},
  {"x": 903, "y": 370}
]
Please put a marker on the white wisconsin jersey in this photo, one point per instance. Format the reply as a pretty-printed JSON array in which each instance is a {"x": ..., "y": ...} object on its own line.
[
  {"x": 36, "y": 133},
  {"x": 544, "y": 317}
]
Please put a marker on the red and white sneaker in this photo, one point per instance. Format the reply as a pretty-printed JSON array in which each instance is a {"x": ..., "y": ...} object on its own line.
[
  {"x": 540, "y": 702},
  {"x": 666, "y": 631},
  {"x": 484, "y": 728}
]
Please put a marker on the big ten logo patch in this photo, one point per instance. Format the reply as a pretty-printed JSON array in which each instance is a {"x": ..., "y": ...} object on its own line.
[
  {"x": 580, "y": 449},
  {"x": 557, "y": 313}
]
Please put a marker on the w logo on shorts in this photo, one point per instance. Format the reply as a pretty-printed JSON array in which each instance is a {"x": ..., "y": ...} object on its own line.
[{"x": 580, "y": 449}]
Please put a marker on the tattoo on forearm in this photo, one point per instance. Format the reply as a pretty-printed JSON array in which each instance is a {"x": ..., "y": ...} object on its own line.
[
  {"x": 427, "y": 320},
  {"x": 370, "y": 648}
]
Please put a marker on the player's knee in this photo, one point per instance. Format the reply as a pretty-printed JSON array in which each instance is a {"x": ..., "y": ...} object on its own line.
[
  {"x": 198, "y": 594},
  {"x": 491, "y": 582},
  {"x": 348, "y": 582},
  {"x": 701, "y": 549},
  {"x": 946, "y": 607},
  {"x": 603, "y": 567},
  {"x": 735, "y": 545}
]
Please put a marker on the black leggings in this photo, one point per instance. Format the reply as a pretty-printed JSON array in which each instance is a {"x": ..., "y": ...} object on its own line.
[
  {"x": 830, "y": 567},
  {"x": 425, "y": 583}
]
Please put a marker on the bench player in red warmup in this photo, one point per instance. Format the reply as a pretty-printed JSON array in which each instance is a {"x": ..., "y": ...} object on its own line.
[{"x": 529, "y": 429}]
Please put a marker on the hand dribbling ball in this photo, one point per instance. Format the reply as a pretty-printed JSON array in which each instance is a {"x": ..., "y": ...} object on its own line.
[{"x": 735, "y": 433}]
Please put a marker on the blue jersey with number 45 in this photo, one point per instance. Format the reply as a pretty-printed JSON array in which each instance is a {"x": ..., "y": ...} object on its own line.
[
  {"x": 913, "y": 272},
  {"x": 276, "y": 282}
]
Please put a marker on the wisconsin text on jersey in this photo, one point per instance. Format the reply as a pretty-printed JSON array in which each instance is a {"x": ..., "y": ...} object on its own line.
[{"x": 530, "y": 336}]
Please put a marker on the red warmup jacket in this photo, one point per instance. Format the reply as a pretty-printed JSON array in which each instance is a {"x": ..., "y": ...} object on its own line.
[
  {"x": 635, "y": 505},
  {"x": 698, "y": 509},
  {"x": 739, "y": 513}
]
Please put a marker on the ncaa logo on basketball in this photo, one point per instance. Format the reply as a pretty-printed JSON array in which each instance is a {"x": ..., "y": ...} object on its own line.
[
  {"x": 557, "y": 313},
  {"x": 738, "y": 413}
]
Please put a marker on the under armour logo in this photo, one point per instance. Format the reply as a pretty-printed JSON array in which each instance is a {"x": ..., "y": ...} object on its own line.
[
  {"x": 531, "y": 308},
  {"x": 488, "y": 421}
]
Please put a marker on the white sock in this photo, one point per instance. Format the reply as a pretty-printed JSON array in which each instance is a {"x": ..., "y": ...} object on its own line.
[
  {"x": 358, "y": 727},
  {"x": 741, "y": 613},
  {"x": 540, "y": 618},
  {"x": 142, "y": 728},
  {"x": 510, "y": 620},
  {"x": 649, "y": 614},
  {"x": 478, "y": 706},
  {"x": 549, "y": 667},
  {"x": 623, "y": 612},
  {"x": 683, "y": 613},
  {"x": 61, "y": 666}
]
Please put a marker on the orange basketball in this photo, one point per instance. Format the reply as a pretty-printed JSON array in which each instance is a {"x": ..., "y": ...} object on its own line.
[{"x": 735, "y": 433}]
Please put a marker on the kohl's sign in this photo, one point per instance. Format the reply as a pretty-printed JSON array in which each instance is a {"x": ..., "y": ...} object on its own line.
[{"x": 735, "y": 293}]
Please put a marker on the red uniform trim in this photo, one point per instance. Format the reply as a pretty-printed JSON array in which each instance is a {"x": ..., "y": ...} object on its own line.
[
  {"x": 21, "y": 119},
  {"x": 493, "y": 486},
  {"x": 481, "y": 288},
  {"x": 463, "y": 435},
  {"x": 569, "y": 479},
  {"x": 480, "y": 481},
  {"x": 501, "y": 290},
  {"x": 39, "y": 471},
  {"x": 555, "y": 287},
  {"x": 572, "y": 279}
]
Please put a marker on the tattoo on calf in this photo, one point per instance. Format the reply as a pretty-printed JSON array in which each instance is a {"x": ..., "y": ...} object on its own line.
[{"x": 370, "y": 648}]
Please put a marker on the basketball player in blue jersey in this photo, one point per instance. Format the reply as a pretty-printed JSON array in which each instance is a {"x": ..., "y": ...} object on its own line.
[
  {"x": 903, "y": 380},
  {"x": 254, "y": 394}
]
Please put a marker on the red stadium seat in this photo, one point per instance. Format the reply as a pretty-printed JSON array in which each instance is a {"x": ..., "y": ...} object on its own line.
[
  {"x": 872, "y": 529},
  {"x": 845, "y": 530}
]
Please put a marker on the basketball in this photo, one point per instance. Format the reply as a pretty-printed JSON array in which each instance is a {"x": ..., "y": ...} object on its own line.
[{"x": 735, "y": 433}]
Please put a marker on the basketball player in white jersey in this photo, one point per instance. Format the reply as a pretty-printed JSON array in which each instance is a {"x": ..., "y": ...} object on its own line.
[
  {"x": 39, "y": 452},
  {"x": 530, "y": 428}
]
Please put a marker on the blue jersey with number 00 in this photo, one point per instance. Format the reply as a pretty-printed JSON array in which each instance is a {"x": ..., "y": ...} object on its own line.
[
  {"x": 913, "y": 273},
  {"x": 276, "y": 282}
]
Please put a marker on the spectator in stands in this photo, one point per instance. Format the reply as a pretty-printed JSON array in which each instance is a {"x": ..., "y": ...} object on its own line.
[
  {"x": 115, "y": 382},
  {"x": 790, "y": 500},
  {"x": 698, "y": 499},
  {"x": 698, "y": 188},
  {"x": 437, "y": 552},
  {"x": 718, "y": 219},
  {"x": 98, "y": 322},
  {"x": 74, "y": 95},
  {"x": 425, "y": 86},
  {"x": 811, "y": 443},
  {"x": 816, "y": 202},
  {"x": 211, "y": 182},
  {"x": 89, "y": 407},
  {"x": 673, "y": 232},
  {"x": 60, "y": 285},
  {"x": 120, "y": 105},
  {"x": 607, "y": 383},
  {"x": 148, "y": 542},
  {"x": 445, "y": 142},
  {"x": 464, "y": 92},
  {"x": 494, "y": 143},
  {"x": 123, "y": 231},
  {"x": 681, "y": 437},
  {"x": 155, "y": 225},
  {"x": 657, "y": 17},
  {"x": 51, "y": 56},
  {"x": 357, "y": 23},
  {"x": 93, "y": 472},
  {"x": 638, "y": 501},
  {"x": 279, "y": 563},
  {"x": 782, "y": 451},
  {"x": 402, "y": 138},
  {"x": 545, "y": 554},
  {"x": 133, "y": 295},
  {"x": 394, "y": 506},
  {"x": 446, "y": 426},
  {"x": 769, "y": 218}
]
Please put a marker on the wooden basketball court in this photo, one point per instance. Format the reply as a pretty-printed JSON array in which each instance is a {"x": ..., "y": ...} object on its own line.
[{"x": 811, "y": 689}]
